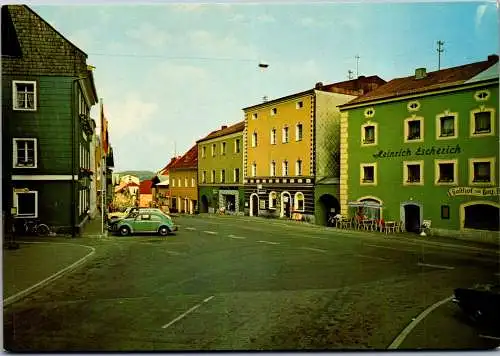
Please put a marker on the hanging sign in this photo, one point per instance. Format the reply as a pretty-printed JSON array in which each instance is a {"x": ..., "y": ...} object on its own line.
[{"x": 478, "y": 192}]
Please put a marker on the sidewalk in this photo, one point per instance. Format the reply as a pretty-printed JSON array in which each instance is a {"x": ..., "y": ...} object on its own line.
[
  {"x": 37, "y": 263},
  {"x": 92, "y": 228}
]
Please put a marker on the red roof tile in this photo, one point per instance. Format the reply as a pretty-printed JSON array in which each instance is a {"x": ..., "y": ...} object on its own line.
[
  {"x": 188, "y": 161},
  {"x": 432, "y": 81},
  {"x": 240, "y": 126},
  {"x": 164, "y": 170},
  {"x": 145, "y": 187}
]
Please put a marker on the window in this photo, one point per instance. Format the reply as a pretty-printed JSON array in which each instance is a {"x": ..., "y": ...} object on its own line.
[
  {"x": 223, "y": 176},
  {"x": 273, "y": 198},
  {"x": 368, "y": 174},
  {"x": 254, "y": 115},
  {"x": 254, "y": 170},
  {"x": 413, "y": 130},
  {"x": 272, "y": 169},
  {"x": 24, "y": 95},
  {"x": 173, "y": 182},
  {"x": 445, "y": 212},
  {"x": 223, "y": 148},
  {"x": 446, "y": 172},
  {"x": 254, "y": 139},
  {"x": 285, "y": 168},
  {"x": 25, "y": 153},
  {"x": 285, "y": 134},
  {"x": 203, "y": 151},
  {"x": 446, "y": 125},
  {"x": 204, "y": 176},
  {"x": 482, "y": 122},
  {"x": 179, "y": 182},
  {"x": 370, "y": 112},
  {"x": 482, "y": 95},
  {"x": 481, "y": 171},
  {"x": 274, "y": 111},
  {"x": 26, "y": 203},
  {"x": 237, "y": 146},
  {"x": 299, "y": 201},
  {"x": 236, "y": 175},
  {"x": 413, "y": 106},
  {"x": 369, "y": 134},
  {"x": 213, "y": 176},
  {"x": 273, "y": 136},
  {"x": 299, "y": 105},
  {"x": 214, "y": 148},
  {"x": 298, "y": 168},
  {"x": 193, "y": 182},
  {"x": 298, "y": 132},
  {"x": 413, "y": 173},
  {"x": 186, "y": 182}
]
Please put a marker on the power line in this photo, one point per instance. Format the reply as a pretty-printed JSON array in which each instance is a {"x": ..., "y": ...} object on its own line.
[{"x": 132, "y": 55}]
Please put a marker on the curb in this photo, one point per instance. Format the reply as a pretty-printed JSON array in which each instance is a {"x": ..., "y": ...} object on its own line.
[{"x": 16, "y": 297}]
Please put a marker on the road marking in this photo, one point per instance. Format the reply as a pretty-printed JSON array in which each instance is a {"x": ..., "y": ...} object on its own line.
[
  {"x": 435, "y": 266},
  {"x": 389, "y": 248},
  {"x": 319, "y": 237},
  {"x": 51, "y": 278},
  {"x": 237, "y": 237},
  {"x": 401, "y": 337},
  {"x": 173, "y": 253},
  {"x": 190, "y": 228},
  {"x": 269, "y": 242},
  {"x": 374, "y": 257},
  {"x": 210, "y": 232},
  {"x": 187, "y": 312},
  {"x": 489, "y": 337},
  {"x": 313, "y": 249}
]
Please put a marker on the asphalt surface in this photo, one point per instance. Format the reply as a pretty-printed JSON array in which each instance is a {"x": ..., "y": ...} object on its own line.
[{"x": 226, "y": 283}]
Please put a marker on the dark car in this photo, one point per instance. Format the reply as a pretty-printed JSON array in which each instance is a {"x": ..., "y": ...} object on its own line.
[{"x": 481, "y": 304}]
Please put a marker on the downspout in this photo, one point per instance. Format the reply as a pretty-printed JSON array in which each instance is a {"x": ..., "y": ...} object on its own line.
[{"x": 73, "y": 205}]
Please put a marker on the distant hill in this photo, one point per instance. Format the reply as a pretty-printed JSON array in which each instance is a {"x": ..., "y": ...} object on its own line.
[{"x": 140, "y": 174}]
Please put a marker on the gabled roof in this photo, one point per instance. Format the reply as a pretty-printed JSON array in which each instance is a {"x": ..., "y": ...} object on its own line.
[
  {"x": 164, "y": 170},
  {"x": 432, "y": 81},
  {"x": 240, "y": 126},
  {"x": 188, "y": 161},
  {"x": 145, "y": 187}
]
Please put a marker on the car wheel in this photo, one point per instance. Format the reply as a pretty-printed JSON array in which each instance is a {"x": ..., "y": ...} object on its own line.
[
  {"x": 163, "y": 231},
  {"x": 124, "y": 231}
]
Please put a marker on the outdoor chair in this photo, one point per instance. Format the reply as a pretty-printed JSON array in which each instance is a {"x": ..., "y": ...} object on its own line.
[{"x": 389, "y": 226}]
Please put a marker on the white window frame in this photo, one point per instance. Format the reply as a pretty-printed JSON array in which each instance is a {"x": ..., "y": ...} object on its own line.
[
  {"x": 16, "y": 203},
  {"x": 285, "y": 135},
  {"x": 223, "y": 148},
  {"x": 407, "y": 128},
  {"x": 491, "y": 161},
  {"x": 480, "y": 92},
  {"x": 15, "y": 141},
  {"x": 193, "y": 181},
  {"x": 186, "y": 182},
  {"x": 405, "y": 172},
  {"x": 179, "y": 182},
  {"x": 254, "y": 116},
  {"x": 214, "y": 149},
  {"x": 299, "y": 105},
  {"x": 254, "y": 169},
  {"x": 272, "y": 169},
  {"x": 472, "y": 120},
  {"x": 362, "y": 174},
  {"x": 173, "y": 182},
  {"x": 438, "y": 125},
  {"x": 296, "y": 201},
  {"x": 437, "y": 162},
  {"x": 237, "y": 145},
  {"x": 273, "y": 136},
  {"x": 363, "y": 134},
  {"x": 14, "y": 95},
  {"x": 254, "y": 139},
  {"x": 204, "y": 176},
  {"x": 274, "y": 111},
  {"x": 299, "y": 135},
  {"x": 204, "y": 152},
  {"x": 298, "y": 167},
  {"x": 270, "y": 200},
  {"x": 284, "y": 168}
]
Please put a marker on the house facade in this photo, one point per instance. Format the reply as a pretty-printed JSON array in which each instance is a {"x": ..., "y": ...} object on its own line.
[
  {"x": 281, "y": 139},
  {"x": 145, "y": 193},
  {"x": 161, "y": 184},
  {"x": 220, "y": 170},
  {"x": 47, "y": 93},
  {"x": 183, "y": 183},
  {"x": 425, "y": 147}
]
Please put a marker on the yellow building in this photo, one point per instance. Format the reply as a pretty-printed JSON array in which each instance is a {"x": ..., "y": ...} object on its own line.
[
  {"x": 183, "y": 183},
  {"x": 281, "y": 140}
]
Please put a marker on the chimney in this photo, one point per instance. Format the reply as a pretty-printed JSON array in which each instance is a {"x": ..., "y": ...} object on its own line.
[
  {"x": 420, "y": 73},
  {"x": 361, "y": 77},
  {"x": 223, "y": 127},
  {"x": 493, "y": 58},
  {"x": 318, "y": 85}
]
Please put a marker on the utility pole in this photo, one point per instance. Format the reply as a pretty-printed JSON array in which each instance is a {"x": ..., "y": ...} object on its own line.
[
  {"x": 357, "y": 65},
  {"x": 349, "y": 74},
  {"x": 440, "y": 50}
]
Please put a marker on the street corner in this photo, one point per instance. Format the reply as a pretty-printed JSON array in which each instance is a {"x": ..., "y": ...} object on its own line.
[{"x": 33, "y": 265}]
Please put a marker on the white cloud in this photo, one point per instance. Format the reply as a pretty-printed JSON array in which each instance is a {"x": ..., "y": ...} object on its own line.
[
  {"x": 266, "y": 18},
  {"x": 188, "y": 7},
  {"x": 238, "y": 18},
  {"x": 179, "y": 74},
  {"x": 481, "y": 9},
  {"x": 220, "y": 45},
  {"x": 149, "y": 35}
]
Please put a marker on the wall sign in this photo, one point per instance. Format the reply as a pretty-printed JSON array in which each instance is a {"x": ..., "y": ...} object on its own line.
[
  {"x": 478, "y": 192},
  {"x": 261, "y": 191},
  {"x": 420, "y": 151}
]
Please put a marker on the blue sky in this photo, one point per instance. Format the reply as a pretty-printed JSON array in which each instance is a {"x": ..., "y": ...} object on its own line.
[{"x": 169, "y": 74}]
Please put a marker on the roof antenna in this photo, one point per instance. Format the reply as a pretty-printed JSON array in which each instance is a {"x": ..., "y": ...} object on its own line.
[
  {"x": 439, "y": 51},
  {"x": 357, "y": 65},
  {"x": 349, "y": 74}
]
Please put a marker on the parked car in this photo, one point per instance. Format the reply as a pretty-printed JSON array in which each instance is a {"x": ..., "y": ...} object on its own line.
[
  {"x": 120, "y": 214},
  {"x": 144, "y": 222},
  {"x": 132, "y": 212},
  {"x": 481, "y": 304}
]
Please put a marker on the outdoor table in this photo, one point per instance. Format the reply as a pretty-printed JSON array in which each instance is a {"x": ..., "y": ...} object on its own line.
[{"x": 390, "y": 226}]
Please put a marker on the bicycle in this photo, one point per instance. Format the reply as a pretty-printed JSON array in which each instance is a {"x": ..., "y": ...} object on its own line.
[{"x": 36, "y": 228}]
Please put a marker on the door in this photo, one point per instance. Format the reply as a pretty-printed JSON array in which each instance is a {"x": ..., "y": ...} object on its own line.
[
  {"x": 254, "y": 208},
  {"x": 412, "y": 218}
]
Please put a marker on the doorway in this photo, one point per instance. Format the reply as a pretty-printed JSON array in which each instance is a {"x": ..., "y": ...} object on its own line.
[
  {"x": 329, "y": 207},
  {"x": 412, "y": 218},
  {"x": 254, "y": 205},
  {"x": 286, "y": 204},
  {"x": 204, "y": 204}
]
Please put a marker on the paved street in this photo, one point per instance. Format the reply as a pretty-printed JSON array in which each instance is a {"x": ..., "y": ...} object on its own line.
[{"x": 230, "y": 283}]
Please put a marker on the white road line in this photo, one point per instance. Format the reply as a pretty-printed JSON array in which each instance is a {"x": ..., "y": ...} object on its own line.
[
  {"x": 237, "y": 237},
  {"x": 389, "y": 248},
  {"x": 173, "y": 253},
  {"x": 269, "y": 242},
  {"x": 401, "y": 337},
  {"x": 313, "y": 249},
  {"x": 187, "y": 312},
  {"x": 489, "y": 337},
  {"x": 319, "y": 237},
  {"x": 435, "y": 266},
  {"x": 190, "y": 228},
  {"x": 210, "y": 232},
  {"x": 374, "y": 257}
]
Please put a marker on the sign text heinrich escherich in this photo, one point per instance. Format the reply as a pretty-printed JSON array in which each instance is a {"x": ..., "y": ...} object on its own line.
[{"x": 420, "y": 151}]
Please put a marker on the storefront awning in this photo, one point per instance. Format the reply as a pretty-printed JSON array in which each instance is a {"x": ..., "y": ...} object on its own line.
[{"x": 364, "y": 204}]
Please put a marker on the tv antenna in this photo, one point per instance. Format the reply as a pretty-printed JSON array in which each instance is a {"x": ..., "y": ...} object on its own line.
[
  {"x": 357, "y": 65},
  {"x": 440, "y": 50}
]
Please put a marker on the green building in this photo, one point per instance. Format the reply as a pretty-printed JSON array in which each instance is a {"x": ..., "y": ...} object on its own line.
[
  {"x": 220, "y": 170},
  {"x": 425, "y": 148},
  {"x": 47, "y": 93}
]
